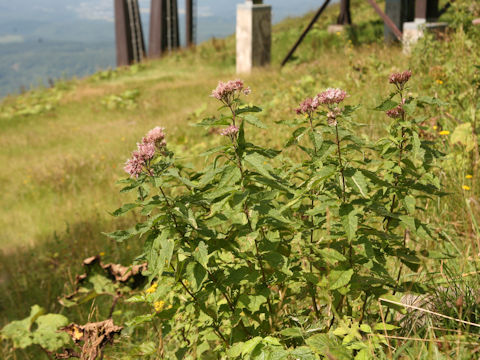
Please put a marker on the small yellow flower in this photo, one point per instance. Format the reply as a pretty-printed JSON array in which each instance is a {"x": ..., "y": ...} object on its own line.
[
  {"x": 169, "y": 307},
  {"x": 77, "y": 334},
  {"x": 468, "y": 176},
  {"x": 435, "y": 127},
  {"x": 444, "y": 132},
  {"x": 152, "y": 288},
  {"x": 439, "y": 82},
  {"x": 159, "y": 305},
  {"x": 102, "y": 254},
  {"x": 338, "y": 33},
  {"x": 465, "y": 187}
]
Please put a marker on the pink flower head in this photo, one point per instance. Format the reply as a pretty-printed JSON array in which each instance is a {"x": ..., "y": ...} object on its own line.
[
  {"x": 332, "y": 96},
  {"x": 247, "y": 91},
  {"x": 134, "y": 166},
  {"x": 156, "y": 136},
  {"x": 400, "y": 78},
  {"x": 146, "y": 150},
  {"x": 396, "y": 112},
  {"x": 231, "y": 131},
  {"x": 308, "y": 106},
  {"x": 225, "y": 91}
]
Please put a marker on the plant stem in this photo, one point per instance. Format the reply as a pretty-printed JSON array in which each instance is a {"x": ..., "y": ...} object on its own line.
[
  {"x": 215, "y": 325},
  {"x": 313, "y": 289},
  {"x": 210, "y": 274},
  {"x": 340, "y": 162}
]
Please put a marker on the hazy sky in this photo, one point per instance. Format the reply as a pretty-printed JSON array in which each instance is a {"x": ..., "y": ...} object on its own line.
[{"x": 51, "y": 19}]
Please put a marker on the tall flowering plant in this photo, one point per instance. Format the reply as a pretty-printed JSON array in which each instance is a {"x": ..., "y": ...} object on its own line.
[{"x": 258, "y": 254}]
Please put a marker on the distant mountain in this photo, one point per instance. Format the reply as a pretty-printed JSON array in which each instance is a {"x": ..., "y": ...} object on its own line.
[{"x": 78, "y": 35}]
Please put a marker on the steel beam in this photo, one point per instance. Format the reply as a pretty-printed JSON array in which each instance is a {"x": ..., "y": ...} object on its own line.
[
  {"x": 122, "y": 33},
  {"x": 189, "y": 22},
  {"x": 156, "y": 42}
]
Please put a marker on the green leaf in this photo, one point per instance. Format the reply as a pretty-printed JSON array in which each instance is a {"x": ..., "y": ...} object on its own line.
[
  {"x": 359, "y": 183},
  {"x": 383, "y": 327},
  {"x": 125, "y": 208},
  {"x": 160, "y": 254},
  {"x": 330, "y": 255},
  {"x": 247, "y": 109},
  {"x": 196, "y": 275},
  {"x": 253, "y": 120},
  {"x": 409, "y": 203},
  {"x": 386, "y": 105},
  {"x": 260, "y": 164},
  {"x": 201, "y": 254},
  {"x": 292, "y": 332},
  {"x": 47, "y": 336},
  {"x": 328, "y": 346},
  {"x": 252, "y": 302},
  {"x": 349, "y": 220},
  {"x": 408, "y": 222},
  {"x": 214, "y": 122},
  {"x": 339, "y": 278}
]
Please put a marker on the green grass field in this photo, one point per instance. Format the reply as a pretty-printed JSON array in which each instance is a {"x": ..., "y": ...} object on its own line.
[{"x": 61, "y": 162}]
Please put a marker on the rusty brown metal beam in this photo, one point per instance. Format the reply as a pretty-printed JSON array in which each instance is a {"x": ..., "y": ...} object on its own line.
[
  {"x": 189, "y": 22},
  {"x": 156, "y": 43},
  {"x": 387, "y": 20},
  {"x": 305, "y": 32},
  {"x": 122, "y": 33}
]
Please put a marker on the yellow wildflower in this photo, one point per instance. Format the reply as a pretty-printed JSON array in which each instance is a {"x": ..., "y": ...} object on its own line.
[
  {"x": 77, "y": 333},
  {"x": 159, "y": 305},
  {"x": 465, "y": 187},
  {"x": 152, "y": 288},
  {"x": 338, "y": 33},
  {"x": 444, "y": 132},
  {"x": 435, "y": 127},
  {"x": 439, "y": 82},
  {"x": 468, "y": 176},
  {"x": 102, "y": 254}
]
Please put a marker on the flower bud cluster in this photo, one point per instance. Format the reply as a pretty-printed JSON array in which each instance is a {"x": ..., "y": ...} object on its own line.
[
  {"x": 401, "y": 78},
  {"x": 328, "y": 97},
  {"x": 227, "y": 91},
  {"x": 155, "y": 139},
  {"x": 230, "y": 131}
]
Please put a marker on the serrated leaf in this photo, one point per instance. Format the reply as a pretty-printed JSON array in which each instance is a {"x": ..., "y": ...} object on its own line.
[
  {"x": 253, "y": 120},
  {"x": 349, "y": 220},
  {"x": 125, "y": 208},
  {"x": 330, "y": 255},
  {"x": 386, "y": 105},
  {"x": 201, "y": 254},
  {"x": 339, "y": 278},
  {"x": 409, "y": 202},
  {"x": 259, "y": 163}
]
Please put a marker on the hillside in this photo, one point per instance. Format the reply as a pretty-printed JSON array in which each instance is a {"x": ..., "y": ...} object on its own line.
[{"x": 64, "y": 148}]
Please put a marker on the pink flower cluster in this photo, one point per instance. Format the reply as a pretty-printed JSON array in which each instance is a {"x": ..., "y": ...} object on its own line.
[
  {"x": 225, "y": 91},
  {"x": 156, "y": 136},
  {"x": 396, "y": 112},
  {"x": 154, "y": 139},
  {"x": 400, "y": 78},
  {"x": 327, "y": 97},
  {"x": 332, "y": 96},
  {"x": 308, "y": 106},
  {"x": 230, "y": 131}
]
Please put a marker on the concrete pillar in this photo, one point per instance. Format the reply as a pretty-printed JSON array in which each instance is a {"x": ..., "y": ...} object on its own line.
[{"x": 254, "y": 35}]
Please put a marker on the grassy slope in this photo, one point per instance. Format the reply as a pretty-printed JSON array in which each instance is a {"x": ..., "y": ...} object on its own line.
[{"x": 60, "y": 166}]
